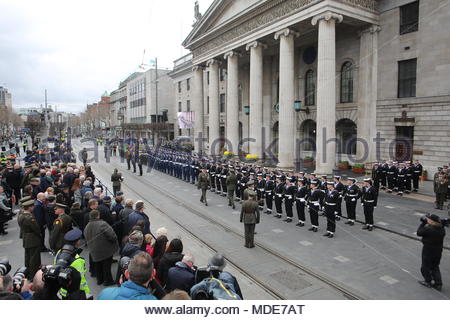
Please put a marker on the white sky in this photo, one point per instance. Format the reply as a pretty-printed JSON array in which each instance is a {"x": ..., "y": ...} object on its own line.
[{"x": 77, "y": 49}]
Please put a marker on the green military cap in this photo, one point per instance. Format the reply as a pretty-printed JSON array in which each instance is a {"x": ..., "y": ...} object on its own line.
[
  {"x": 250, "y": 182},
  {"x": 251, "y": 193},
  {"x": 28, "y": 203},
  {"x": 24, "y": 199},
  {"x": 61, "y": 205}
]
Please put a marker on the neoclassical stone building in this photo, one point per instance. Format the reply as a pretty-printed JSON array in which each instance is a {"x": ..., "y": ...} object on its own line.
[{"x": 293, "y": 75}]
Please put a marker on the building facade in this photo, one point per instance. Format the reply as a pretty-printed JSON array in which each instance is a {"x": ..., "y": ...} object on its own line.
[
  {"x": 5, "y": 98},
  {"x": 336, "y": 80}
]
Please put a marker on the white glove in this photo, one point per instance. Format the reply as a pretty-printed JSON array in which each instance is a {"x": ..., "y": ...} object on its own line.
[
  {"x": 362, "y": 204},
  {"x": 353, "y": 200}
]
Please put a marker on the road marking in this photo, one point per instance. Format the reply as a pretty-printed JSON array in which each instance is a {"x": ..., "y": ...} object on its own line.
[
  {"x": 185, "y": 190},
  {"x": 388, "y": 279},
  {"x": 236, "y": 212},
  {"x": 415, "y": 233},
  {"x": 305, "y": 243},
  {"x": 341, "y": 259},
  {"x": 381, "y": 223},
  {"x": 219, "y": 205},
  {"x": 277, "y": 230},
  {"x": 389, "y": 207},
  {"x": 5, "y": 243},
  {"x": 418, "y": 214}
]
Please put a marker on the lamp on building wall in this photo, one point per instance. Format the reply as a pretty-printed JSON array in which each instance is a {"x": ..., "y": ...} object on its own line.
[
  {"x": 247, "y": 110},
  {"x": 298, "y": 107}
]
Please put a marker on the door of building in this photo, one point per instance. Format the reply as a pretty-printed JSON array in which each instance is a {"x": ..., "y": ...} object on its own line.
[{"x": 404, "y": 142}]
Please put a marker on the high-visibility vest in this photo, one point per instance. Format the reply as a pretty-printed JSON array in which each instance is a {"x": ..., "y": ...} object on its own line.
[{"x": 80, "y": 265}]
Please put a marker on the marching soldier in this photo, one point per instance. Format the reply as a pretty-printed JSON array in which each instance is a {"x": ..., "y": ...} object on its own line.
[
  {"x": 218, "y": 178},
  {"x": 369, "y": 202},
  {"x": 116, "y": 179},
  {"x": 416, "y": 173},
  {"x": 339, "y": 187},
  {"x": 128, "y": 158},
  {"x": 134, "y": 159},
  {"x": 289, "y": 194},
  {"x": 250, "y": 217},
  {"x": 223, "y": 180},
  {"x": 300, "y": 201},
  {"x": 140, "y": 163},
  {"x": 331, "y": 201},
  {"x": 314, "y": 197},
  {"x": 243, "y": 182},
  {"x": 31, "y": 235},
  {"x": 212, "y": 176},
  {"x": 203, "y": 183},
  {"x": 61, "y": 226},
  {"x": 352, "y": 194},
  {"x": 279, "y": 190},
  {"x": 261, "y": 183},
  {"x": 268, "y": 192},
  {"x": 383, "y": 175},
  {"x": 231, "y": 182}
]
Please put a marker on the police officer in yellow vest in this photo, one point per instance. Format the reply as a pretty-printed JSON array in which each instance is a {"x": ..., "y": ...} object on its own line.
[
  {"x": 3, "y": 159},
  {"x": 70, "y": 251},
  {"x": 61, "y": 226}
]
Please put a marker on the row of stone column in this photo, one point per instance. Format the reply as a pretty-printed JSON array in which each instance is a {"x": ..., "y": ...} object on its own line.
[{"x": 326, "y": 96}]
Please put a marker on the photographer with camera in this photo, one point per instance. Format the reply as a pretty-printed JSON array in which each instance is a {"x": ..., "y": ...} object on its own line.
[
  {"x": 139, "y": 275},
  {"x": 432, "y": 232},
  {"x": 15, "y": 287}
]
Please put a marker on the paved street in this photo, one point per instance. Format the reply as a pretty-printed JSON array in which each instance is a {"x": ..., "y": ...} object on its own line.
[{"x": 379, "y": 264}]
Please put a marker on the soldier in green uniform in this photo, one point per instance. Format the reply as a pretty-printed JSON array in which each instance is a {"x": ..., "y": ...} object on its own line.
[
  {"x": 203, "y": 183},
  {"x": 61, "y": 226},
  {"x": 250, "y": 187},
  {"x": 31, "y": 235},
  {"x": 231, "y": 183},
  {"x": 440, "y": 189},
  {"x": 250, "y": 217}
]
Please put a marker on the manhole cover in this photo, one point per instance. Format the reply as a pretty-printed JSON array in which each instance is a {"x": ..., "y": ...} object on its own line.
[{"x": 291, "y": 280}]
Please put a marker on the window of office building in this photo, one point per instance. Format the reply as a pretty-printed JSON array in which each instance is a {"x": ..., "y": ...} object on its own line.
[
  {"x": 407, "y": 70},
  {"x": 188, "y": 84},
  {"x": 409, "y": 17},
  {"x": 347, "y": 82},
  {"x": 222, "y": 102},
  {"x": 179, "y": 106},
  {"x": 310, "y": 88},
  {"x": 179, "y": 86},
  {"x": 188, "y": 105}
]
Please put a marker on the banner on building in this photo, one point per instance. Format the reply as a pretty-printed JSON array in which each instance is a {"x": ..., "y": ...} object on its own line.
[{"x": 186, "y": 120}]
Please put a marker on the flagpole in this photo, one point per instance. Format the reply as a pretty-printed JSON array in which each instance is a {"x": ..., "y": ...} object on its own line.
[{"x": 156, "y": 94}]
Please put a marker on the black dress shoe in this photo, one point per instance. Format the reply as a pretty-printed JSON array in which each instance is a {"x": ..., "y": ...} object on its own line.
[
  {"x": 331, "y": 235},
  {"x": 338, "y": 218},
  {"x": 370, "y": 228},
  {"x": 326, "y": 234},
  {"x": 234, "y": 207},
  {"x": 315, "y": 229},
  {"x": 229, "y": 205},
  {"x": 300, "y": 224},
  {"x": 287, "y": 220},
  {"x": 311, "y": 229},
  {"x": 206, "y": 204},
  {"x": 348, "y": 222},
  {"x": 425, "y": 284},
  {"x": 278, "y": 216},
  {"x": 3, "y": 232},
  {"x": 366, "y": 227}
]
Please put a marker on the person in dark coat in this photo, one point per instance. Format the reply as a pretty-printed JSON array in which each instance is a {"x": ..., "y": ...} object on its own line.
[
  {"x": 122, "y": 219},
  {"x": 92, "y": 205},
  {"x": 14, "y": 179},
  {"x": 39, "y": 212},
  {"x": 139, "y": 214},
  {"x": 169, "y": 259},
  {"x": 102, "y": 244},
  {"x": 77, "y": 215},
  {"x": 181, "y": 276},
  {"x": 432, "y": 232},
  {"x": 158, "y": 250},
  {"x": 105, "y": 211}
]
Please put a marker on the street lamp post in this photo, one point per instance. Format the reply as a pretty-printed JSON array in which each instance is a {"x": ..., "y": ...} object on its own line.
[{"x": 247, "y": 113}]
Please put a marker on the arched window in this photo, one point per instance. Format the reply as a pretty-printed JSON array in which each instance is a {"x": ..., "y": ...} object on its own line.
[
  {"x": 346, "y": 136},
  {"x": 310, "y": 88},
  {"x": 347, "y": 82}
]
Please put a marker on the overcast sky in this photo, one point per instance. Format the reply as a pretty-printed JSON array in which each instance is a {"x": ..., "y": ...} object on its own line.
[{"x": 78, "y": 49}]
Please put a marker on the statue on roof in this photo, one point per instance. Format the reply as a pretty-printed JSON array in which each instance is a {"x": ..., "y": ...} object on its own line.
[{"x": 197, "y": 14}]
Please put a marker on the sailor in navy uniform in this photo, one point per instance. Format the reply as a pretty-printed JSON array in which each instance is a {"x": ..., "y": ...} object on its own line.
[
  {"x": 391, "y": 176},
  {"x": 408, "y": 177},
  {"x": 260, "y": 190},
  {"x": 279, "y": 190},
  {"x": 289, "y": 194},
  {"x": 300, "y": 201},
  {"x": 383, "y": 173},
  {"x": 314, "y": 198},
  {"x": 212, "y": 176},
  {"x": 269, "y": 192},
  {"x": 416, "y": 173},
  {"x": 331, "y": 201},
  {"x": 352, "y": 194},
  {"x": 339, "y": 187},
  {"x": 369, "y": 202},
  {"x": 401, "y": 179}
]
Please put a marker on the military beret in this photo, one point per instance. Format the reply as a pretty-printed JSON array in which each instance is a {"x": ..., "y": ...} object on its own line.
[
  {"x": 250, "y": 182},
  {"x": 28, "y": 203},
  {"x": 73, "y": 235},
  {"x": 60, "y": 205},
  {"x": 24, "y": 199},
  {"x": 107, "y": 198}
]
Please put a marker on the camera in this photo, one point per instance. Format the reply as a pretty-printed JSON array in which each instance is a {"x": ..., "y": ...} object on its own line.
[
  {"x": 5, "y": 267},
  {"x": 60, "y": 273},
  {"x": 445, "y": 222},
  {"x": 19, "y": 278},
  {"x": 206, "y": 272}
]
